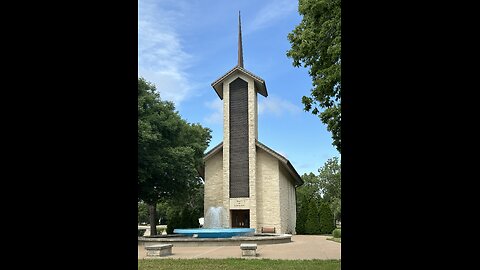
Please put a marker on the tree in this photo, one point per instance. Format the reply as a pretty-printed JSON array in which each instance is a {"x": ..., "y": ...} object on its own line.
[
  {"x": 142, "y": 213},
  {"x": 325, "y": 215},
  {"x": 169, "y": 150},
  {"x": 329, "y": 180},
  {"x": 184, "y": 212},
  {"x": 312, "y": 224},
  {"x": 322, "y": 188},
  {"x": 301, "y": 219},
  {"x": 195, "y": 200},
  {"x": 316, "y": 43},
  {"x": 308, "y": 191}
]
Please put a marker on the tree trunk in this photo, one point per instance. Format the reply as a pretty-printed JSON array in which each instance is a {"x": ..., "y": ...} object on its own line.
[{"x": 153, "y": 218}]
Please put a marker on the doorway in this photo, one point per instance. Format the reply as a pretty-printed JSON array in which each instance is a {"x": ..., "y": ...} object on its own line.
[{"x": 240, "y": 218}]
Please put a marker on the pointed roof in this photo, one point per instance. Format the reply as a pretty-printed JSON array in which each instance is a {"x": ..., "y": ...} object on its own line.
[
  {"x": 260, "y": 85},
  {"x": 284, "y": 161},
  {"x": 240, "y": 48}
]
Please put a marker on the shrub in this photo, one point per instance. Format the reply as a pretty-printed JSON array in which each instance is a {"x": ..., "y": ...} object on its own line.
[
  {"x": 301, "y": 219},
  {"x": 326, "y": 219},
  {"x": 181, "y": 220},
  {"x": 312, "y": 224},
  {"x": 173, "y": 222},
  {"x": 337, "y": 233},
  {"x": 141, "y": 232}
]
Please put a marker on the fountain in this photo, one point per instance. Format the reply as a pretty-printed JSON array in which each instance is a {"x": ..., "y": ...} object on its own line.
[
  {"x": 215, "y": 226},
  {"x": 216, "y": 232},
  {"x": 216, "y": 217}
]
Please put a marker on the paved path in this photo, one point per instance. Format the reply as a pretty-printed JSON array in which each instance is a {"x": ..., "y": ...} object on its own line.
[{"x": 302, "y": 247}]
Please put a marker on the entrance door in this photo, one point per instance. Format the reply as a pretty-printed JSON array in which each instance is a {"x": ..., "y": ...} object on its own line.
[{"x": 240, "y": 218}]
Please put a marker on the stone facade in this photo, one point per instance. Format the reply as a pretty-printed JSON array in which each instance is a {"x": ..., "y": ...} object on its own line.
[
  {"x": 272, "y": 180},
  {"x": 214, "y": 186},
  {"x": 271, "y": 204},
  {"x": 271, "y": 201},
  {"x": 268, "y": 196},
  {"x": 288, "y": 211}
]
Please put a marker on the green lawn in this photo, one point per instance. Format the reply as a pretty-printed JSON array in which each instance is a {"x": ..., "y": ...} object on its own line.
[
  {"x": 227, "y": 264},
  {"x": 338, "y": 240}
]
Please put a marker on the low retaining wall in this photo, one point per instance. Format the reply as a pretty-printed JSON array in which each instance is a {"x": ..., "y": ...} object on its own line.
[{"x": 178, "y": 241}]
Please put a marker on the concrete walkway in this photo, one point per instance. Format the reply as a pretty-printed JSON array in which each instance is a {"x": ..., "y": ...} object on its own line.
[{"x": 302, "y": 247}]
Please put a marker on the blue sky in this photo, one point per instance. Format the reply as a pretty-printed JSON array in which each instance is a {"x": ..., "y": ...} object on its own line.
[{"x": 185, "y": 45}]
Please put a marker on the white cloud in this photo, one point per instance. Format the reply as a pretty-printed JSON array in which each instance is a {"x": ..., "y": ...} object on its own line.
[
  {"x": 277, "y": 106},
  {"x": 216, "y": 114},
  {"x": 161, "y": 59},
  {"x": 272, "y": 12}
]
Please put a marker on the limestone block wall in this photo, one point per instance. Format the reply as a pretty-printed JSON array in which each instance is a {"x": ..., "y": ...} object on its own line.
[
  {"x": 252, "y": 133},
  {"x": 226, "y": 150},
  {"x": 213, "y": 181},
  {"x": 252, "y": 151},
  {"x": 267, "y": 191},
  {"x": 287, "y": 202}
]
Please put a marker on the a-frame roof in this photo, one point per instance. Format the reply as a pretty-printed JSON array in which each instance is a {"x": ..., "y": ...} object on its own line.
[
  {"x": 260, "y": 85},
  {"x": 286, "y": 164}
]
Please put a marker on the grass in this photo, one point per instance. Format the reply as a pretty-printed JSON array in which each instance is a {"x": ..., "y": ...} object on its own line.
[
  {"x": 338, "y": 240},
  {"x": 227, "y": 264}
]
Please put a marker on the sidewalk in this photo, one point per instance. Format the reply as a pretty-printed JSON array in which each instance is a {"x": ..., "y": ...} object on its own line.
[{"x": 302, "y": 247}]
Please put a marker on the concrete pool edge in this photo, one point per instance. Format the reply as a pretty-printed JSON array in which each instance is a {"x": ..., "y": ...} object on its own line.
[{"x": 259, "y": 239}]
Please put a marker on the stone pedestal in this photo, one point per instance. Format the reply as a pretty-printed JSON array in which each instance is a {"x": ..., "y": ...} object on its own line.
[
  {"x": 249, "y": 249},
  {"x": 159, "y": 250}
]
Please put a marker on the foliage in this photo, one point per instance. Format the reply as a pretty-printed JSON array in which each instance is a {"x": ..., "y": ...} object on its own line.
[
  {"x": 312, "y": 224},
  {"x": 337, "y": 233},
  {"x": 316, "y": 43},
  {"x": 162, "y": 208},
  {"x": 188, "y": 219},
  {"x": 322, "y": 190},
  {"x": 184, "y": 212},
  {"x": 325, "y": 215},
  {"x": 338, "y": 240},
  {"x": 310, "y": 190},
  {"x": 336, "y": 207},
  {"x": 329, "y": 181},
  {"x": 301, "y": 219},
  {"x": 141, "y": 232},
  {"x": 185, "y": 218},
  {"x": 173, "y": 222},
  {"x": 192, "y": 201},
  {"x": 142, "y": 213},
  {"x": 234, "y": 264},
  {"x": 169, "y": 150}
]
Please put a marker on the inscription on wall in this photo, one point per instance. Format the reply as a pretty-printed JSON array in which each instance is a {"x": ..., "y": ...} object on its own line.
[{"x": 239, "y": 203}]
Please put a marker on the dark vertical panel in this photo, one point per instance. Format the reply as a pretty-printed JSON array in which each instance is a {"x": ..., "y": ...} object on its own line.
[{"x": 238, "y": 111}]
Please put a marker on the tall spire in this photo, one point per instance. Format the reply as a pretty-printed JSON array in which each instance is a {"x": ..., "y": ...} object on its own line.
[{"x": 240, "y": 49}]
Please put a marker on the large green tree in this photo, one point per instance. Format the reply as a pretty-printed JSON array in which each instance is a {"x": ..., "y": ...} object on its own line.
[
  {"x": 307, "y": 194},
  {"x": 312, "y": 223},
  {"x": 316, "y": 43},
  {"x": 330, "y": 184},
  {"x": 310, "y": 190},
  {"x": 321, "y": 189},
  {"x": 327, "y": 223},
  {"x": 169, "y": 150}
]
